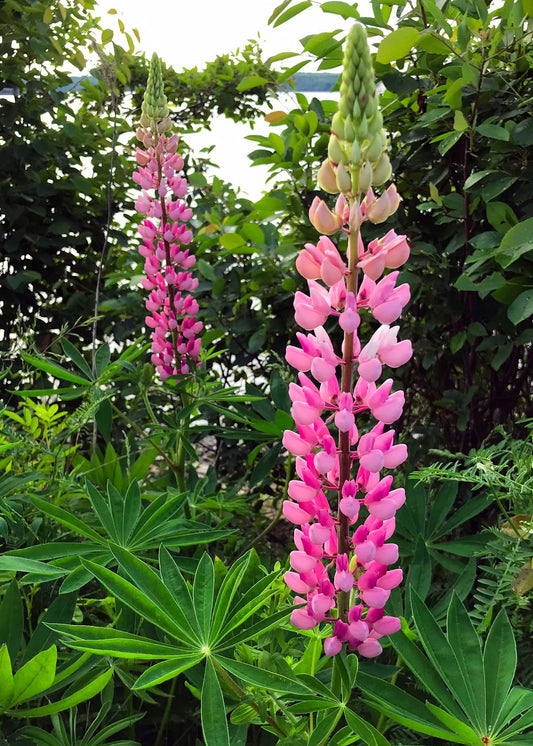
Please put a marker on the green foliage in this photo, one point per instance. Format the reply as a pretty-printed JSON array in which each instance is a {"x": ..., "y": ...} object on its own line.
[
  {"x": 471, "y": 683},
  {"x": 456, "y": 93},
  {"x": 114, "y": 486}
]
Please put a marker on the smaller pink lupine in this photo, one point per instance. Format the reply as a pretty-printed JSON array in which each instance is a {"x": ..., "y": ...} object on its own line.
[{"x": 175, "y": 342}]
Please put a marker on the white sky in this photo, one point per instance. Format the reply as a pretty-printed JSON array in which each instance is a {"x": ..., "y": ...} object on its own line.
[{"x": 188, "y": 34}]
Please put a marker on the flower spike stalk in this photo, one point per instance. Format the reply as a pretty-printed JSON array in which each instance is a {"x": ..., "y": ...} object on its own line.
[
  {"x": 172, "y": 310},
  {"x": 342, "y": 443}
]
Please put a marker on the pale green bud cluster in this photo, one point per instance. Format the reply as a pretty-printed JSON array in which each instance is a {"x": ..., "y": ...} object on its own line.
[
  {"x": 358, "y": 142},
  {"x": 155, "y": 112}
]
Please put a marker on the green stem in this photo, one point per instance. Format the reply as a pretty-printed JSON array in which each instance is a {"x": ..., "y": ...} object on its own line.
[
  {"x": 380, "y": 725},
  {"x": 345, "y": 457},
  {"x": 166, "y": 714},
  {"x": 232, "y": 684},
  {"x": 270, "y": 526},
  {"x": 149, "y": 409},
  {"x": 139, "y": 430}
]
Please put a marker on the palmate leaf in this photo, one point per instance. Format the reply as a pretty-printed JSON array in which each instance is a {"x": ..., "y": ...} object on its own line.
[
  {"x": 500, "y": 664},
  {"x": 108, "y": 641},
  {"x": 67, "y": 519},
  {"x": 166, "y": 670},
  {"x": 148, "y": 605},
  {"x": 154, "y": 518},
  {"x": 203, "y": 593},
  {"x": 88, "y": 691},
  {"x": 403, "y": 708},
  {"x": 248, "y": 633},
  {"x": 454, "y": 724},
  {"x": 467, "y": 646},
  {"x": 263, "y": 678},
  {"x": 324, "y": 728},
  {"x": 364, "y": 730},
  {"x": 443, "y": 656},
  {"x": 155, "y": 589},
  {"x": 249, "y": 603},
  {"x": 518, "y": 701},
  {"x": 226, "y": 593},
  {"x": 424, "y": 671},
  {"x": 177, "y": 586},
  {"x": 213, "y": 712}
]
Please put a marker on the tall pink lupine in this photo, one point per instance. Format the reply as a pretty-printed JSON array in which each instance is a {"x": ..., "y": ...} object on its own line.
[
  {"x": 342, "y": 503},
  {"x": 164, "y": 232}
]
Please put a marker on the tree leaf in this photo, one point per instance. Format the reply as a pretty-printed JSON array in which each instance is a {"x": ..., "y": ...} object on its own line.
[
  {"x": 521, "y": 308},
  {"x": 493, "y": 132},
  {"x": 339, "y": 8},
  {"x": 251, "y": 81},
  {"x": 518, "y": 240},
  {"x": 397, "y": 44},
  {"x": 291, "y": 12}
]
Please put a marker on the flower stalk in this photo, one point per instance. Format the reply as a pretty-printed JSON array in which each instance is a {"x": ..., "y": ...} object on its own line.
[
  {"x": 164, "y": 232},
  {"x": 340, "y": 565}
]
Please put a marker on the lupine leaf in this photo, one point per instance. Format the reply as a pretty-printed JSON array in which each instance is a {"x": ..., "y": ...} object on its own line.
[
  {"x": 440, "y": 652},
  {"x": 403, "y": 707},
  {"x": 54, "y": 370},
  {"x": 265, "y": 679},
  {"x": 203, "y": 593},
  {"x": 424, "y": 672},
  {"x": 500, "y": 664},
  {"x": 258, "y": 628},
  {"x": 155, "y": 516},
  {"x": 137, "y": 600},
  {"x": 166, "y": 670},
  {"x": 213, "y": 711},
  {"x": 87, "y": 692},
  {"x": 175, "y": 582},
  {"x": 35, "y": 676},
  {"x": 151, "y": 585},
  {"x": 9, "y": 563},
  {"x": 227, "y": 591},
  {"x": 66, "y": 519},
  {"x": 467, "y": 646},
  {"x": 115, "y": 642},
  {"x": 324, "y": 728},
  {"x": 364, "y": 730},
  {"x": 457, "y": 726},
  {"x": 102, "y": 510}
]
